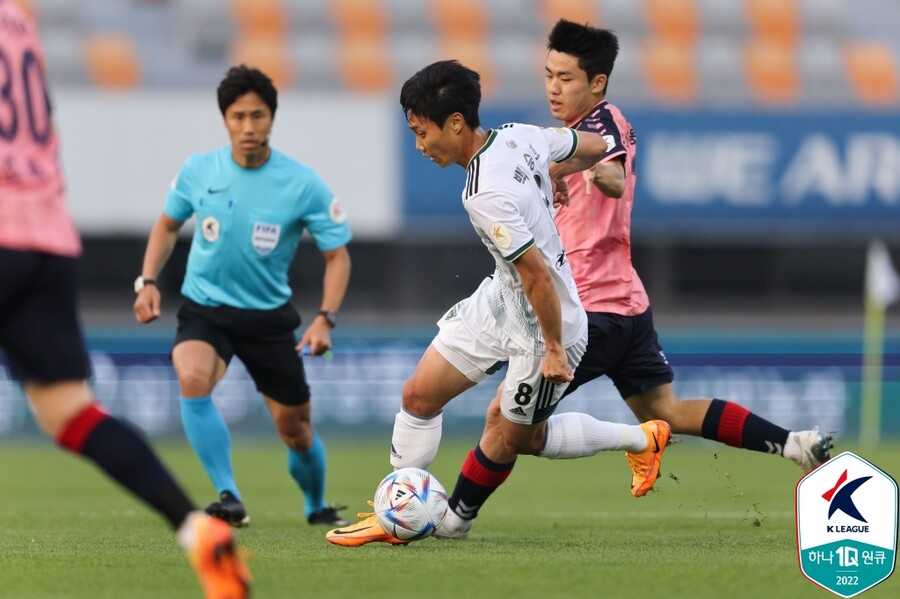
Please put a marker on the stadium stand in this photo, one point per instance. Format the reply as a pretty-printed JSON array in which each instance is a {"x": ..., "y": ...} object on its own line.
[
  {"x": 112, "y": 60},
  {"x": 669, "y": 68},
  {"x": 675, "y": 21},
  {"x": 771, "y": 71},
  {"x": 775, "y": 21},
  {"x": 674, "y": 52},
  {"x": 873, "y": 73}
]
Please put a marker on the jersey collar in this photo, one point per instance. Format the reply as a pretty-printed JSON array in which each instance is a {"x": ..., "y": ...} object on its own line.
[
  {"x": 491, "y": 136},
  {"x": 589, "y": 113}
]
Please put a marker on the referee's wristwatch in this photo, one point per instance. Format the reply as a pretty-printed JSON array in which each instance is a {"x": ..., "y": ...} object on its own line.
[
  {"x": 141, "y": 282},
  {"x": 329, "y": 316}
]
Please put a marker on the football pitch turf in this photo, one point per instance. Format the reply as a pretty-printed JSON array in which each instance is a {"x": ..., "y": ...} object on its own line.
[{"x": 720, "y": 524}]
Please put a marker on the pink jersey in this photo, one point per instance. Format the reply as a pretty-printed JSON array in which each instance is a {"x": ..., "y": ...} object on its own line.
[
  {"x": 596, "y": 229},
  {"x": 33, "y": 213}
]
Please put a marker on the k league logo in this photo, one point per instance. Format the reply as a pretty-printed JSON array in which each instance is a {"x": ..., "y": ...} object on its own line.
[{"x": 847, "y": 525}]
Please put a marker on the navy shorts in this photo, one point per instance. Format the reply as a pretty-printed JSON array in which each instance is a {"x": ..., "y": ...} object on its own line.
[
  {"x": 627, "y": 350},
  {"x": 263, "y": 340},
  {"x": 39, "y": 328}
]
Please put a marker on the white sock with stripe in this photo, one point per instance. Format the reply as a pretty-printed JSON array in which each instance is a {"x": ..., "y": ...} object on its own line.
[{"x": 415, "y": 440}]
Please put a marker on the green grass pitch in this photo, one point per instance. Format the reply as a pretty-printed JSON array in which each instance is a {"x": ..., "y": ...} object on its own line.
[{"x": 719, "y": 525}]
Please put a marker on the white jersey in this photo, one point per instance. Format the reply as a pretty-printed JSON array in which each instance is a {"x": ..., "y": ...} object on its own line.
[{"x": 508, "y": 196}]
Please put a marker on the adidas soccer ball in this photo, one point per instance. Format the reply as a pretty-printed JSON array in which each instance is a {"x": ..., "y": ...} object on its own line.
[{"x": 410, "y": 503}]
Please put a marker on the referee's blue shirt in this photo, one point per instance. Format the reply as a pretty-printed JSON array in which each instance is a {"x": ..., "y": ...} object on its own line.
[{"x": 249, "y": 223}]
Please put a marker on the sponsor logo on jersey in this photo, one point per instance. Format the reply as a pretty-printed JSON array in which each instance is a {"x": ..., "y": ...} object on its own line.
[
  {"x": 265, "y": 237},
  {"x": 519, "y": 175},
  {"x": 210, "y": 228}
]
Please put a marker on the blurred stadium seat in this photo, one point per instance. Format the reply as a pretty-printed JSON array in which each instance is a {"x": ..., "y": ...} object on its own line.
[
  {"x": 748, "y": 52},
  {"x": 474, "y": 54},
  {"x": 579, "y": 11},
  {"x": 364, "y": 64},
  {"x": 771, "y": 70},
  {"x": 263, "y": 17},
  {"x": 673, "y": 20},
  {"x": 776, "y": 21},
  {"x": 363, "y": 19},
  {"x": 873, "y": 73},
  {"x": 670, "y": 70},
  {"x": 270, "y": 53},
  {"x": 112, "y": 59},
  {"x": 460, "y": 19},
  {"x": 362, "y": 54}
]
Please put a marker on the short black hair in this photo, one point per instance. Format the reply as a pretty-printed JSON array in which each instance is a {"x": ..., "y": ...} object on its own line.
[
  {"x": 441, "y": 89},
  {"x": 596, "y": 49},
  {"x": 243, "y": 79}
]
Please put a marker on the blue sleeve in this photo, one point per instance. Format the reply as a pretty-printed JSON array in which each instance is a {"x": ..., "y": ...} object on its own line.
[
  {"x": 178, "y": 203},
  {"x": 325, "y": 218}
]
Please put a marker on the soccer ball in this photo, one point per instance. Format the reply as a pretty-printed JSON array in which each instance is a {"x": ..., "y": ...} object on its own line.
[{"x": 410, "y": 503}]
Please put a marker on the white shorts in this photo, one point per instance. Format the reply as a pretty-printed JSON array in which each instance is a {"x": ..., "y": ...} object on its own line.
[{"x": 527, "y": 398}]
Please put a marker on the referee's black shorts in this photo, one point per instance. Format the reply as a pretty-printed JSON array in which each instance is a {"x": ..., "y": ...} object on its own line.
[
  {"x": 263, "y": 340},
  {"x": 39, "y": 329}
]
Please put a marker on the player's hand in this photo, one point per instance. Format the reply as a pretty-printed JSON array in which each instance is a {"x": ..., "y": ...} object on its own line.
[
  {"x": 555, "y": 367},
  {"x": 560, "y": 192},
  {"x": 148, "y": 304},
  {"x": 317, "y": 337}
]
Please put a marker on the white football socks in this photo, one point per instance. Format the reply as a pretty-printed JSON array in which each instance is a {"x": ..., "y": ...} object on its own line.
[
  {"x": 415, "y": 441},
  {"x": 792, "y": 448},
  {"x": 576, "y": 435}
]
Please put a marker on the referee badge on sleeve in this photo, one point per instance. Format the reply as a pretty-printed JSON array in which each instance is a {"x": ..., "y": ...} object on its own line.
[
  {"x": 336, "y": 212},
  {"x": 265, "y": 237}
]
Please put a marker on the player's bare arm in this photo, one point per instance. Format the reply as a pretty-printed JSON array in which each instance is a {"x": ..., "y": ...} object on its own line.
[
  {"x": 542, "y": 296},
  {"x": 590, "y": 148},
  {"x": 334, "y": 286},
  {"x": 609, "y": 178},
  {"x": 160, "y": 244}
]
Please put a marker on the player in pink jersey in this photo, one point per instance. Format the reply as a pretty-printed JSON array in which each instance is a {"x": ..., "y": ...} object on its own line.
[
  {"x": 595, "y": 225},
  {"x": 39, "y": 329}
]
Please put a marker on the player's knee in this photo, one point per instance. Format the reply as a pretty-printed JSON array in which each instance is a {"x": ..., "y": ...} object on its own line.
[
  {"x": 297, "y": 436},
  {"x": 195, "y": 382},
  {"x": 416, "y": 403}
]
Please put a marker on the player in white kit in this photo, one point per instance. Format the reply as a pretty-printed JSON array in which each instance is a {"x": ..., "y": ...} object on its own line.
[{"x": 527, "y": 314}]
